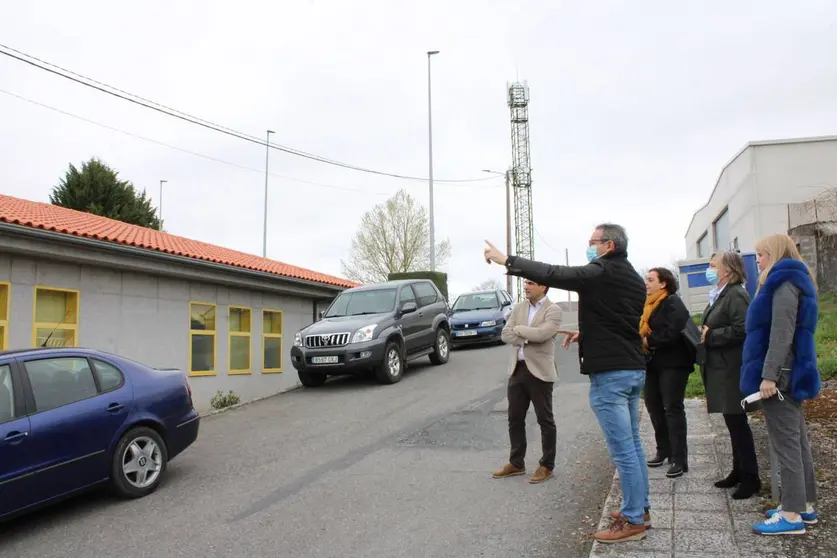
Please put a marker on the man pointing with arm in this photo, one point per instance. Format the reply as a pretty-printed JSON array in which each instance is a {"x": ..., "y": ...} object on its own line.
[
  {"x": 531, "y": 329},
  {"x": 611, "y": 298}
]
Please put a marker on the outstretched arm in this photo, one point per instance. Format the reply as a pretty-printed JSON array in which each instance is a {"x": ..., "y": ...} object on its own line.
[{"x": 568, "y": 278}]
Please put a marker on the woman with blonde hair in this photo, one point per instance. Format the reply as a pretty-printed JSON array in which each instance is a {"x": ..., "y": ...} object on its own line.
[{"x": 780, "y": 364}]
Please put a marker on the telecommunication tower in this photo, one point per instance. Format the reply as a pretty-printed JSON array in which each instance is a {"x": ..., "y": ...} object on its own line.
[{"x": 521, "y": 174}]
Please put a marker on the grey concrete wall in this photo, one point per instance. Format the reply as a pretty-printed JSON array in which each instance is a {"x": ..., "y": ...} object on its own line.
[{"x": 146, "y": 318}]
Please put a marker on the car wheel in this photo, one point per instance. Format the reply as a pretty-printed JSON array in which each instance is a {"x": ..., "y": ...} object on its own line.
[
  {"x": 441, "y": 352},
  {"x": 311, "y": 379},
  {"x": 391, "y": 368},
  {"x": 139, "y": 463}
]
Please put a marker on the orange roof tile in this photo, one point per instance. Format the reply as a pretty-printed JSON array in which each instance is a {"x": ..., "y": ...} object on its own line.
[{"x": 68, "y": 221}]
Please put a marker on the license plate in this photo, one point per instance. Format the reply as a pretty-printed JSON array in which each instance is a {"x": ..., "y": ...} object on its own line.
[
  {"x": 466, "y": 333},
  {"x": 324, "y": 360}
]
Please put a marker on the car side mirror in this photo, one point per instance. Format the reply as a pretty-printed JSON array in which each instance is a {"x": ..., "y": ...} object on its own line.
[
  {"x": 506, "y": 303},
  {"x": 408, "y": 308},
  {"x": 321, "y": 314}
]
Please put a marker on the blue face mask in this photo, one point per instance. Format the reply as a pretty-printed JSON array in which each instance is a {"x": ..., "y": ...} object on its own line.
[
  {"x": 712, "y": 276},
  {"x": 592, "y": 253}
]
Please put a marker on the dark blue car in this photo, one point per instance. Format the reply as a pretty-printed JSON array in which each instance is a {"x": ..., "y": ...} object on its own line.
[
  {"x": 479, "y": 317},
  {"x": 73, "y": 419}
]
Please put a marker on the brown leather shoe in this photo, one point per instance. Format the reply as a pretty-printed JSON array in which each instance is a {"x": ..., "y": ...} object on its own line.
[
  {"x": 621, "y": 530},
  {"x": 541, "y": 474},
  {"x": 509, "y": 470},
  {"x": 646, "y": 517}
]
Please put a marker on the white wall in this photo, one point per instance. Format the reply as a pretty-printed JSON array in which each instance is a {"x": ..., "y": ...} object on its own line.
[{"x": 758, "y": 185}]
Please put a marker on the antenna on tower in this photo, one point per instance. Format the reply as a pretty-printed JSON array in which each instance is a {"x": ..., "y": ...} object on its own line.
[{"x": 521, "y": 174}]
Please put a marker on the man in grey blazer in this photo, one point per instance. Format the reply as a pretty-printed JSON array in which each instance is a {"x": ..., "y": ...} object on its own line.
[{"x": 531, "y": 330}]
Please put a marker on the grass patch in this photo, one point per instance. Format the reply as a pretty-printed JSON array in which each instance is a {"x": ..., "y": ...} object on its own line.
[
  {"x": 826, "y": 336},
  {"x": 695, "y": 386}
]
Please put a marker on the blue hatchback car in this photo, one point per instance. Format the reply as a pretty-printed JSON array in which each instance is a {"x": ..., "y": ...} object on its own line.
[
  {"x": 479, "y": 317},
  {"x": 73, "y": 419}
]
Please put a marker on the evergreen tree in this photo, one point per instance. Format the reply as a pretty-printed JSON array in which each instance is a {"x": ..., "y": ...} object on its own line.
[{"x": 97, "y": 189}]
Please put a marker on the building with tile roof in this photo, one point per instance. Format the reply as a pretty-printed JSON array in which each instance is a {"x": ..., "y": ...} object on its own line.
[{"x": 69, "y": 278}]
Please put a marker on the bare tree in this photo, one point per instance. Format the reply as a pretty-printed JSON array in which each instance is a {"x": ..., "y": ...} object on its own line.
[
  {"x": 393, "y": 238},
  {"x": 489, "y": 285}
]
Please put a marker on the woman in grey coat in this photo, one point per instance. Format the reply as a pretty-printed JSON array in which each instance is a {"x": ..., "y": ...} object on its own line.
[
  {"x": 723, "y": 333},
  {"x": 780, "y": 363}
]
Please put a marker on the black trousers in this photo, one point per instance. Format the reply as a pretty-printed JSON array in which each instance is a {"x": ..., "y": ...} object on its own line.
[
  {"x": 665, "y": 390},
  {"x": 523, "y": 389},
  {"x": 744, "y": 459}
]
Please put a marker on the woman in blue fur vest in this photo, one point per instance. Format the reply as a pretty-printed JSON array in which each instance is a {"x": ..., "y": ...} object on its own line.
[{"x": 780, "y": 363}]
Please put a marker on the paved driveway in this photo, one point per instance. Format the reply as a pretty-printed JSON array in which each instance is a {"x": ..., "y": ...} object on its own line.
[{"x": 354, "y": 469}]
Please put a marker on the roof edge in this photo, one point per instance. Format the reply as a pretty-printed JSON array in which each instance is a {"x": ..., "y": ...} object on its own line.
[
  {"x": 758, "y": 143},
  {"x": 15, "y": 228}
]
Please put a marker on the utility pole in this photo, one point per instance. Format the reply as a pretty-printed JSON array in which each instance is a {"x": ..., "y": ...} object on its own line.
[
  {"x": 160, "y": 205},
  {"x": 508, "y": 228},
  {"x": 507, "y": 176},
  {"x": 569, "y": 294},
  {"x": 264, "y": 223},
  {"x": 430, "y": 157}
]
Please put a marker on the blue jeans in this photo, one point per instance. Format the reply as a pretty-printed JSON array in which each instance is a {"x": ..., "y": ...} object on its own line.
[{"x": 614, "y": 398}]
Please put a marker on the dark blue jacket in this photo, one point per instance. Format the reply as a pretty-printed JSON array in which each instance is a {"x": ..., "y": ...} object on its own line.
[{"x": 805, "y": 378}]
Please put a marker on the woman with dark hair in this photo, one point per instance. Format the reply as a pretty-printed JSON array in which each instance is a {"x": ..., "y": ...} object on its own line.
[
  {"x": 670, "y": 361},
  {"x": 723, "y": 333}
]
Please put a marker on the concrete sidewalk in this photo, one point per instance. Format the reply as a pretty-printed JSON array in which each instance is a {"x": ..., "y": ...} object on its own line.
[{"x": 691, "y": 517}]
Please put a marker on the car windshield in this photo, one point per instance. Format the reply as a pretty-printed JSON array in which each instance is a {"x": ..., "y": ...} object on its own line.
[
  {"x": 476, "y": 301},
  {"x": 358, "y": 303}
]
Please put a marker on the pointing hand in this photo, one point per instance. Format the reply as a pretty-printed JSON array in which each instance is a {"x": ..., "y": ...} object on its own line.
[{"x": 492, "y": 254}]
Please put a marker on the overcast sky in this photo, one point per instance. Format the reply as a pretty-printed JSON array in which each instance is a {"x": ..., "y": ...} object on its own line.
[{"x": 635, "y": 107}]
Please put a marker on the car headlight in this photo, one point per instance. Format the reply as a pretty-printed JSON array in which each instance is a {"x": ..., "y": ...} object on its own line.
[
  {"x": 488, "y": 323},
  {"x": 297, "y": 340},
  {"x": 364, "y": 334}
]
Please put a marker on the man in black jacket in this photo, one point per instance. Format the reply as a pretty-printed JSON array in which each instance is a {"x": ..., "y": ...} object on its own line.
[{"x": 611, "y": 297}]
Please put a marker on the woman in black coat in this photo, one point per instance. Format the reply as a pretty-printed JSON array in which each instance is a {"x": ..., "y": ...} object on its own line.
[
  {"x": 669, "y": 365},
  {"x": 723, "y": 334}
]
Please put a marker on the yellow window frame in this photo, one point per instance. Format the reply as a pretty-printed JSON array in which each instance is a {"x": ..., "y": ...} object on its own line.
[
  {"x": 4, "y": 342},
  {"x": 266, "y": 370},
  {"x": 248, "y": 335},
  {"x": 204, "y": 332},
  {"x": 56, "y": 326}
]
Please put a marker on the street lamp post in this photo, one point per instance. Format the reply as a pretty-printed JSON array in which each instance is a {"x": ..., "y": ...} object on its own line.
[
  {"x": 507, "y": 176},
  {"x": 160, "y": 208},
  {"x": 430, "y": 163},
  {"x": 264, "y": 222}
]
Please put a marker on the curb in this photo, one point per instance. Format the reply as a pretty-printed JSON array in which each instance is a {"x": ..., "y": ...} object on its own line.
[{"x": 214, "y": 412}]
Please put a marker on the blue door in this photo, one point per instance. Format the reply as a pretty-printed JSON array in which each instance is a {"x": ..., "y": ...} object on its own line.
[{"x": 73, "y": 423}]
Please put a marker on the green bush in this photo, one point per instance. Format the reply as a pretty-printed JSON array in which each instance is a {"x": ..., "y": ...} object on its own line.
[
  {"x": 222, "y": 400},
  {"x": 439, "y": 278}
]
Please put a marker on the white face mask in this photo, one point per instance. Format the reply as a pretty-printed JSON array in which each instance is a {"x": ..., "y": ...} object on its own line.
[{"x": 757, "y": 396}]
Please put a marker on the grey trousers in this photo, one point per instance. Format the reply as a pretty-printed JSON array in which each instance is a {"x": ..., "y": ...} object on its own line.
[{"x": 785, "y": 422}]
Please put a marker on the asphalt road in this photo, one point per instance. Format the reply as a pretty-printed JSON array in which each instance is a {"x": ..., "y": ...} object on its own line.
[{"x": 354, "y": 469}]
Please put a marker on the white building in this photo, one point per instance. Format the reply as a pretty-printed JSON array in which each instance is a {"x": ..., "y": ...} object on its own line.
[{"x": 751, "y": 197}]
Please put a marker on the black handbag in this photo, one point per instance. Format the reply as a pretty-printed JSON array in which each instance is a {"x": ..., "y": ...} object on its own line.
[{"x": 691, "y": 334}]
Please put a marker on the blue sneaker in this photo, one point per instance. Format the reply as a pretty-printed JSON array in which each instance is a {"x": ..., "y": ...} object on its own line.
[
  {"x": 808, "y": 518},
  {"x": 778, "y": 525}
]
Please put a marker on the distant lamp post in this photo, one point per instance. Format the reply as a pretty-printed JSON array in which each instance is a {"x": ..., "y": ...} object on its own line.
[
  {"x": 430, "y": 163},
  {"x": 160, "y": 205},
  {"x": 264, "y": 223}
]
